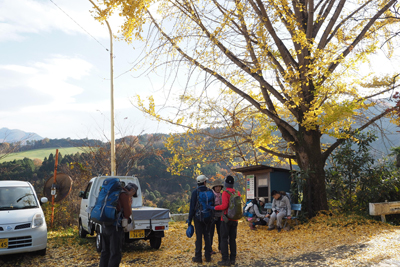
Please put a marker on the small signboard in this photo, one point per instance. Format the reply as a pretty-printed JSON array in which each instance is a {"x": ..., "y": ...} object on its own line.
[{"x": 250, "y": 187}]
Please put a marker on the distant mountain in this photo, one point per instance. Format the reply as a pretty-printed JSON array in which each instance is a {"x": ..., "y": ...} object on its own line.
[{"x": 15, "y": 135}]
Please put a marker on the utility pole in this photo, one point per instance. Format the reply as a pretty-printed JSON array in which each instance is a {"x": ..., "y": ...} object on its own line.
[{"x": 113, "y": 163}]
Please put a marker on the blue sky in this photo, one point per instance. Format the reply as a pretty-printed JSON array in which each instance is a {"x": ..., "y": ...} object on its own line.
[{"x": 55, "y": 76}]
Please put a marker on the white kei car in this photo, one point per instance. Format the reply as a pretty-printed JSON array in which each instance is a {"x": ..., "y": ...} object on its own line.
[{"x": 22, "y": 223}]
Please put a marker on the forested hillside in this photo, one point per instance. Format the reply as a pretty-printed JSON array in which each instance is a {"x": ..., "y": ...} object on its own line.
[{"x": 144, "y": 156}]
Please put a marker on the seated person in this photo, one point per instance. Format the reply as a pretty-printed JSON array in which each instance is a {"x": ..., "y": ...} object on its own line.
[
  {"x": 257, "y": 218},
  {"x": 280, "y": 208}
]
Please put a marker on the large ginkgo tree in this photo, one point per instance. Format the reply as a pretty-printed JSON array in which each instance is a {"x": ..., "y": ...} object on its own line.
[{"x": 264, "y": 77}]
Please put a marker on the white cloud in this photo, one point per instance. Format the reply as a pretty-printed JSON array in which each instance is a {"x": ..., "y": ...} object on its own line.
[
  {"x": 50, "y": 80},
  {"x": 21, "y": 17},
  {"x": 19, "y": 69}
]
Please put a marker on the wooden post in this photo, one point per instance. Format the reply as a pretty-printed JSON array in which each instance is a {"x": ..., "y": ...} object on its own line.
[{"x": 53, "y": 196}]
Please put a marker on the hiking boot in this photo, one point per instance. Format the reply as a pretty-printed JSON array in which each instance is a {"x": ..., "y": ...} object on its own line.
[
  {"x": 208, "y": 259},
  {"x": 279, "y": 229},
  {"x": 198, "y": 260},
  {"x": 271, "y": 228},
  {"x": 233, "y": 262},
  {"x": 224, "y": 263}
]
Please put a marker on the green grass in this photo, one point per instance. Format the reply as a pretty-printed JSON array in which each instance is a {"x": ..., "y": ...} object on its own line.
[{"x": 40, "y": 153}]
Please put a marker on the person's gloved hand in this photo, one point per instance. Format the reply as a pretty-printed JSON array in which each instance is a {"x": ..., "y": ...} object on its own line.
[
  {"x": 129, "y": 227},
  {"x": 211, "y": 207},
  {"x": 124, "y": 222}
]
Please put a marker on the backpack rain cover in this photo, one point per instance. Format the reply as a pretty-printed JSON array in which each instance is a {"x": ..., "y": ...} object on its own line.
[
  {"x": 105, "y": 209},
  {"x": 204, "y": 199}
]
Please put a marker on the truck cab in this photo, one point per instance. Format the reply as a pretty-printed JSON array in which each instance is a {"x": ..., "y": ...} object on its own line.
[{"x": 150, "y": 223}]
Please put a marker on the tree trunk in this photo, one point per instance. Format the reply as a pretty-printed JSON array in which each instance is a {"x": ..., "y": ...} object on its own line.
[{"x": 310, "y": 160}]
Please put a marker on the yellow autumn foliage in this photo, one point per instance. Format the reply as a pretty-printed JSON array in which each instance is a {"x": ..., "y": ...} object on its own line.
[{"x": 329, "y": 239}]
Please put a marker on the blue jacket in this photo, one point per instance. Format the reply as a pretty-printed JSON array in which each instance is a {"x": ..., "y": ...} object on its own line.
[{"x": 193, "y": 201}]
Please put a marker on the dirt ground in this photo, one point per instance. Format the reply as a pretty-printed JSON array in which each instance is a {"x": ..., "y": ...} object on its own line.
[{"x": 321, "y": 242}]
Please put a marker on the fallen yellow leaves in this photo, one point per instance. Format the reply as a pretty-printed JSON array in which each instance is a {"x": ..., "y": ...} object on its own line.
[{"x": 325, "y": 240}]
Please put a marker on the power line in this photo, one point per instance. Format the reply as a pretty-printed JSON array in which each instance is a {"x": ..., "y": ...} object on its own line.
[{"x": 80, "y": 26}]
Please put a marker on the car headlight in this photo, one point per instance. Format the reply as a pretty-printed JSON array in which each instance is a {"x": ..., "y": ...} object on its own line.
[{"x": 38, "y": 220}]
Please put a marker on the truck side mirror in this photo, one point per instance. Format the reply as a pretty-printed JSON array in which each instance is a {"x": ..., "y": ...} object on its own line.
[{"x": 81, "y": 194}]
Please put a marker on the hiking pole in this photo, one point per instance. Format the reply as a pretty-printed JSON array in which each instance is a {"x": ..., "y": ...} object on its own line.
[{"x": 53, "y": 189}]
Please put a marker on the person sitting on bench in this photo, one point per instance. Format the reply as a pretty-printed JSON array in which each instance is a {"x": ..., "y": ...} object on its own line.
[{"x": 280, "y": 209}]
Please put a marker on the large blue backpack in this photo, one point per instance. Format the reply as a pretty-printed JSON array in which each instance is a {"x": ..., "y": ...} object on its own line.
[
  {"x": 248, "y": 213},
  {"x": 204, "y": 199},
  {"x": 105, "y": 209}
]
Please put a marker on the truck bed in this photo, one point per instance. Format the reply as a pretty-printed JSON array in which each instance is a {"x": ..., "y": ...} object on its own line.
[{"x": 150, "y": 213}]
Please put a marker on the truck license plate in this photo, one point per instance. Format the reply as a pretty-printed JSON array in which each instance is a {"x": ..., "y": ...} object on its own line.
[
  {"x": 136, "y": 234},
  {"x": 4, "y": 243}
]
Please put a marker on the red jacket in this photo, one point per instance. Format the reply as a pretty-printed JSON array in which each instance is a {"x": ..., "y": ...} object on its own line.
[{"x": 225, "y": 201}]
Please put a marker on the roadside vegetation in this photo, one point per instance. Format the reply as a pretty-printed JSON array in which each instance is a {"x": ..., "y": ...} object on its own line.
[{"x": 328, "y": 239}]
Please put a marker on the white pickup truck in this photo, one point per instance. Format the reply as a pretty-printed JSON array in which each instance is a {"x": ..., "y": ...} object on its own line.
[{"x": 150, "y": 223}]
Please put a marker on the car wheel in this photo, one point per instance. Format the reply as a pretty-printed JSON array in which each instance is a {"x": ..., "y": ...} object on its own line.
[
  {"x": 155, "y": 242},
  {"x": 41, "y": 252},
  {"x": 82, "y": 232},
  {"x": 98, "y": 242}
]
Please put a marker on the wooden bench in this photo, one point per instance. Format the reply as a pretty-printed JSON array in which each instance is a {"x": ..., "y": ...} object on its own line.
[
  {"x": 297, "y": 209},
  {"x": 384, "y": 208},
  {"x": 294, "y": 207}
]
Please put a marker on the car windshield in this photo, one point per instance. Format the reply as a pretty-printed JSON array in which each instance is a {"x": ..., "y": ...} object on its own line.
[{"x": 17, "y": 198}]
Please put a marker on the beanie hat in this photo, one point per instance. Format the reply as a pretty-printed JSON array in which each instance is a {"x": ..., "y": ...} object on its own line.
[
  {"x": 229, "y": 181},
  {"x": 261, "y": 199},
  {"x": 201, "y": 179},
  {"x": 130, "y": 186}
]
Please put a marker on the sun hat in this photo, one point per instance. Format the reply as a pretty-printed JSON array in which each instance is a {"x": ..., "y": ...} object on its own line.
[
  {"x": 190, "y": 231},
  {"x": 201, "y": 179},
  {"x": 217, "y": 183}
]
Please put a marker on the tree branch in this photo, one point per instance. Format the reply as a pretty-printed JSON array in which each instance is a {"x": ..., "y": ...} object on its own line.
[{"x": 285, "y": 156}]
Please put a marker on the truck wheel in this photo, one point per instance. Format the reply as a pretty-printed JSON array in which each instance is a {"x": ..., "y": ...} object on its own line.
[
  {"x": 98, "y": 242},
  {"x": 41, "y": 252},
  {"x": 82, "y": 232},
  {"x": 155, "y": 242}
]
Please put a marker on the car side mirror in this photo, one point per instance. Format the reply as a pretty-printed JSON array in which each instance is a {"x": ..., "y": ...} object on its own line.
[
  {"x": 81, "y": 194},
  {"x": 43, "y": 200}
]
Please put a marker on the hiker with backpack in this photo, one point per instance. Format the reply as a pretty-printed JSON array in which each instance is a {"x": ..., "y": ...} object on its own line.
[
  {"x": 232, "y": 212},
  {"x": 202, "y": 198},
  {"x": 217, "y": 188},
  {"x": 113, "y": 234},
  {"x": 253, "y": 212},
  {"x": 280, "y": 208}
]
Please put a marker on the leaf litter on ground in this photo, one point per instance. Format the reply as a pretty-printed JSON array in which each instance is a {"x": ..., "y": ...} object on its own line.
[{"x": 326, "y": 240}]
